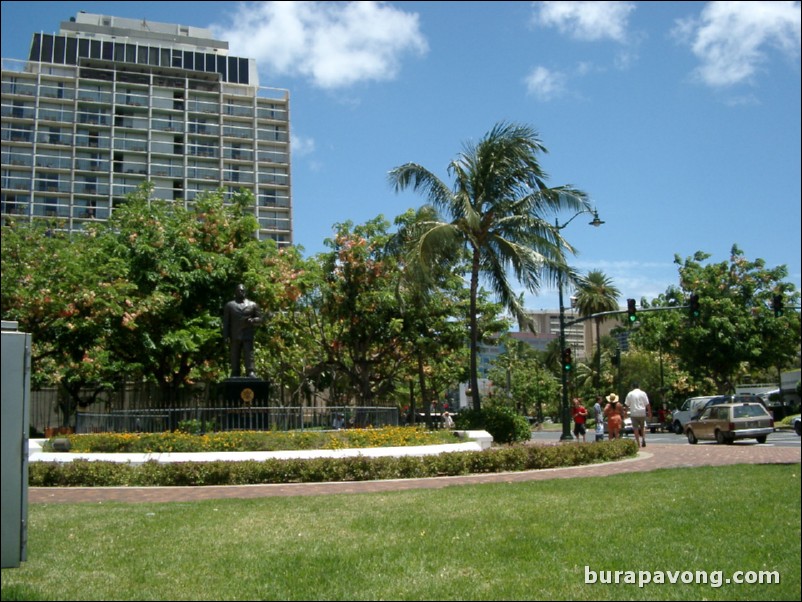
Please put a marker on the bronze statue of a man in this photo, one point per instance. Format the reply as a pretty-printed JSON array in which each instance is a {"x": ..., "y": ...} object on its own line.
[{"x": 241, "y": 316}]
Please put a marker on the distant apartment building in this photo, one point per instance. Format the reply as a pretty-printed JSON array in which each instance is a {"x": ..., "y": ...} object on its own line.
[
  {"x": 109, "y": 103},
  {"x": 580, "y": 337}
]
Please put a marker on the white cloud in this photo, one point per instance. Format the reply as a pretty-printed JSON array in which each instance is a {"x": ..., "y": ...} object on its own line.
[
  {"x": 334, "y": 44},
  {"x": 302, "y": 145},
  {"x": 732, "y": 39},
  {"x": 588, "y": 21},
  {"x": 634, "y": 279},
  {"x": 545, "y": 84}
]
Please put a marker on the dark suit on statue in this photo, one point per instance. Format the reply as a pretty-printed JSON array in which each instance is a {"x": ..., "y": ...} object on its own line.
[{"x": 240, "y": 318}]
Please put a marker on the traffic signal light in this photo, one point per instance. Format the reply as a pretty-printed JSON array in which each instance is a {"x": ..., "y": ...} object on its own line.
[
  {"x": 631, "y": 311},
  {"x": 777, "y": 305},
  {"x": 568, "y": 362},
  {"x": 694, "y": 303}
]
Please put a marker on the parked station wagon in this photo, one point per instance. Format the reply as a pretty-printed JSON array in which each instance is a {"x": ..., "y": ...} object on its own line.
[{"x": 727, "y": 422}]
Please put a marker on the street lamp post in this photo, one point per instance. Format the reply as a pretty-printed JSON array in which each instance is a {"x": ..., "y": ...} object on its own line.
[{"x": 566, "y": 414}]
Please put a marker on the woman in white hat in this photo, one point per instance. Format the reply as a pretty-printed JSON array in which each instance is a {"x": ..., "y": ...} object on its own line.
[{"x": 612, "y": 411}]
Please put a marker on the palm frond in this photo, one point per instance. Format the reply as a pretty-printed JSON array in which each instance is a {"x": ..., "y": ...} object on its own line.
[{"x": 412, "y": 175}]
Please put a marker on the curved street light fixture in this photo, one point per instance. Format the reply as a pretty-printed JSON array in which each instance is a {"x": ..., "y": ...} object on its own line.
[{"x": 566, "y": 414}]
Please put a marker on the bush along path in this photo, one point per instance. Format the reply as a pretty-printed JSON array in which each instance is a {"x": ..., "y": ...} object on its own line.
[{"x": 511, "y": 458}]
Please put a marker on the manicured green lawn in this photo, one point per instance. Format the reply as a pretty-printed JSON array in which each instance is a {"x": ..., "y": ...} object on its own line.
[{"x": 534, "y": 540}]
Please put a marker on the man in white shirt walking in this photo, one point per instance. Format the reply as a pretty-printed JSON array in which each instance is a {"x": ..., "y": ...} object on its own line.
[{"x": 638, "y": 406}]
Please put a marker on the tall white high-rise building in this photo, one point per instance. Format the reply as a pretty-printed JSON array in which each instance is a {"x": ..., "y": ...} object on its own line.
[{"x": 110, "y": 103}]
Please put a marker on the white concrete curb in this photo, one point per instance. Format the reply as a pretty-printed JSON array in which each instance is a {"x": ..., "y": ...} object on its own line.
[{"x": 479, "y": 440}]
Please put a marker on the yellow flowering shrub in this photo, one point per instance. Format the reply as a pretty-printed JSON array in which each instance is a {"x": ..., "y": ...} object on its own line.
[{"x": 178, "y": 441}]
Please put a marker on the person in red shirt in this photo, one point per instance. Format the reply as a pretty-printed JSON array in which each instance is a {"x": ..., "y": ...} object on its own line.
[{"x": 580, "y": 414}]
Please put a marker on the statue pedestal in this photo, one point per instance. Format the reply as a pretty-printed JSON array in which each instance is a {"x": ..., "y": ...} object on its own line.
[
  {"x": 245, "y": 400},
  {"x": 245, "y": 391}
]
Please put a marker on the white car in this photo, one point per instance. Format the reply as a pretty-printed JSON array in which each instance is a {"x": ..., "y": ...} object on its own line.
[
  {"x": 797, "y": 424},
  {"x": 690, "y": 409}
]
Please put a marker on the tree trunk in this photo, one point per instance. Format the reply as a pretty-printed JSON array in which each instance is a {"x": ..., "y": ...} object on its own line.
[
  {"x": 477, "y": 402},
  {"x": 598, "y": 355},
  {"x": 423, "y": 392}
]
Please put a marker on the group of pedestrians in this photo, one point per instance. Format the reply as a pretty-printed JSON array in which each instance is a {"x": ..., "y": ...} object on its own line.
[{"x": 636, "y": 405}]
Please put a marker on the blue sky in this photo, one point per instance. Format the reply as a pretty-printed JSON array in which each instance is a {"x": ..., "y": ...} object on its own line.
[{"x": 681, "y": 120}]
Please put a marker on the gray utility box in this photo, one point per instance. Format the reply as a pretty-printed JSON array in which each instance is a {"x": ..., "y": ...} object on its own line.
[{"x": 14, "y": 442}]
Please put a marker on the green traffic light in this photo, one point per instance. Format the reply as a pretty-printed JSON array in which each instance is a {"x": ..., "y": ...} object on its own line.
[{"x": 632, "y": 310}]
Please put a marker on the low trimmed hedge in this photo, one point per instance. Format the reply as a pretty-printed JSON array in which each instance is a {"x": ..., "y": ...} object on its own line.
[{"x": 86, "y": 473}]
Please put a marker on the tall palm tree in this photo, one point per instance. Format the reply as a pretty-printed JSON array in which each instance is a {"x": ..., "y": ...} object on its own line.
[
  {"x": 596, "y": 294},
  {"x": 497, "y": 210}
]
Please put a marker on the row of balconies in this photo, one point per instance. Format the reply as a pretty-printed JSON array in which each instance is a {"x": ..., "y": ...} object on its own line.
[
  {"x": 194, "y": 130},
  {"x": 53, "y": 192},
  {"x": 48, "y": 158},
  {"x": 92, "y": 210},
  {"x": 205, "y": 132},
  {"x": 267, "y": 202},
  {"x": 123, "y": 80},
  {"x": 101, "y": 186},
  {"x": 166, "y": 106},
  {"x": 102, "y": 163},
  {"x": 48, "y": 207},
  {"x": 266, "y": 151}
]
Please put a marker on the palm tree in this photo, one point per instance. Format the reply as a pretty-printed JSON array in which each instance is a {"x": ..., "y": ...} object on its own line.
[
  {"x": 596, "y": 294},
  {"x": 496, "y": 211}
]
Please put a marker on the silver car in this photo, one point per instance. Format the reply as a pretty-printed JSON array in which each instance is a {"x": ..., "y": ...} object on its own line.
[{"x": 724, "y": 423}]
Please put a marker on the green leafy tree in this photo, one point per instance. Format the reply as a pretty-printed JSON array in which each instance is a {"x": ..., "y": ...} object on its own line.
[
  {"x": 523, "y": 380},
  {"x": 71, "y": 298},
  {"x": 497, "y": 210},
  {"x": 657, "y": 348},
  {"x": 362, "y": 324},
  {"x": 288, "y": 348},
  {"x": 431, "y": 299},
  {"x": 659, "y": 376},
  {"x": 141, "y": 296},
  {"x": 184, "y": 265},
  {"x": 736, "y": 332},
  {"x": 609, "y": 369}
]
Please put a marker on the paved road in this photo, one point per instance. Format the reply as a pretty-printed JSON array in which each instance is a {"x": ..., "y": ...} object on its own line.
[
  {"x": 653, "y": 457},
  {"x": 781, "y": 437}
]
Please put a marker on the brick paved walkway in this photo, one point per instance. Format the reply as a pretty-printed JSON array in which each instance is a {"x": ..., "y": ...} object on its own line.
[{"x": 651, "y": 458}]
